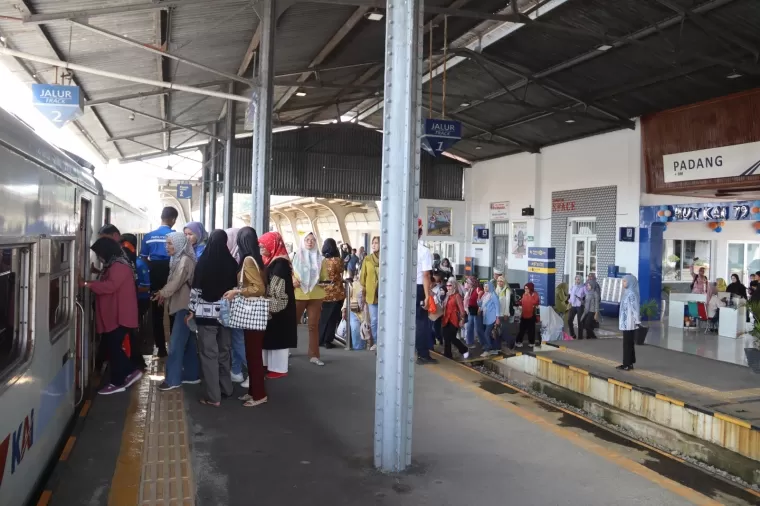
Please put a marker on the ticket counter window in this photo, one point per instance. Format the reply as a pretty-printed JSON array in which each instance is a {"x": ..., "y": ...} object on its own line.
[{"x": 681, "y": 259}]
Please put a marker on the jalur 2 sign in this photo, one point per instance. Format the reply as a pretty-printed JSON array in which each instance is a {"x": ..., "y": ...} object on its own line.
[
  {"x": 728, "y": 161},
  {"x": 60, "y": 104}
]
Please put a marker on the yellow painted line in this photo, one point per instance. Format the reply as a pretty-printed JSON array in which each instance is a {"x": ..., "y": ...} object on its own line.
[
  {"x": 669, "y": 399},
  {"x": 518, "y": 353},
  {"x": 45, "y": 498},
  {"x": 67, "y": 448},
  {"x": 544, "y": 359},
  {"x": 573, "y": 368},
  {"x": 590, "y": 446},
  {"x": 738, "y": 394},
  {"x": 736, "y": 421},
  {"x": 85, "y": 409},
  {"x": 125, "y": 484},
  {"x": 619, "y": 383},
  {"x": 543, "y": 270}
]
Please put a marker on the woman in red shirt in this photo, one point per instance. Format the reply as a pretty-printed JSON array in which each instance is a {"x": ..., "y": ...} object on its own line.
[
  {"x": 453, "y": 319},
  {"x": 529, "y": 302},
  {"x": 115, "y": 311}
]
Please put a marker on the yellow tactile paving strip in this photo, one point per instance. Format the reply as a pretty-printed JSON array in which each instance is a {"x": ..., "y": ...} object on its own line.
[
  {"x": 167, "y": 478},
  {"x": 685, "y": 385}
]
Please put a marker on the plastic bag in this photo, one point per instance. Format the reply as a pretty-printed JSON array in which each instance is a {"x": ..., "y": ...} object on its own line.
[
  {"x": 552, "y": 325},
  {"x": 340, "y": 333}
]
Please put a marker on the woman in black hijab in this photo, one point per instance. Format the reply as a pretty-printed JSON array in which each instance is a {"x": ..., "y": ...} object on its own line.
[
  {"x": 215, "y": 274},
  {"x": 335, "y": 294},
  {"x": 736, "y": 287}
]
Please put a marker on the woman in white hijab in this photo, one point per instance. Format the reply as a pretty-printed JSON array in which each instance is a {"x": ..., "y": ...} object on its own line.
[{"x": 307, "y": 272}]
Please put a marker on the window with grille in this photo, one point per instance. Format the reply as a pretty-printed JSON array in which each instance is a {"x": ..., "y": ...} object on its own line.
[
  {"x": 584, "y": 227},
  {"x": 501, "y": 228}
]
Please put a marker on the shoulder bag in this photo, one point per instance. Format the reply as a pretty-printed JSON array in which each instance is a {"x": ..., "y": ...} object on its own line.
[{"x": 248, "y": 313}]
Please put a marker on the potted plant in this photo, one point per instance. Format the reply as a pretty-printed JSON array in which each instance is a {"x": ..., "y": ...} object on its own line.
[
  {"x": 648, "y": 312},
  {"x": 666, "y": 289},
  {"x": 753, "y": 354}
]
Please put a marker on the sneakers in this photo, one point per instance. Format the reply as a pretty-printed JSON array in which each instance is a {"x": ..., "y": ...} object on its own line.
[
  {"x": 518, "y": 345},
  {"x": 245, "y": 383},
  {"x": 276, "y": 375},
  {"x": 111, "y": 389},
  {"x": 132, "y": 378},
  {"x": 191, "y": 382},
  {"x": 316, "y": 361},
  {"x": 426, "y": 360},
  {"x": 237, "y": 378},
  {"x": 466, "y": 355},
  {"x": 373, "y": 347},
  {"x": 164, "y": 386}
]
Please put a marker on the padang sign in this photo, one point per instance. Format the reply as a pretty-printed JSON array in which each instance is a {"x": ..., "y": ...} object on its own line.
[{"x": 728, "y": 161}]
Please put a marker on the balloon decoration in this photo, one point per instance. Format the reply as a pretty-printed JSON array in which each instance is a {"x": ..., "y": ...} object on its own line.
[
  {"x": 755, "y": 210},
  {"x": 716, "y": 226},
  {"x": 664, "y": 214}
]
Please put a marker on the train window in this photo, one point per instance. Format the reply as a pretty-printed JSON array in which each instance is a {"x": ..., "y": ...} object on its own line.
[
  {"x": 59, "y": 301},
  {"x": 14, "y": 307}
]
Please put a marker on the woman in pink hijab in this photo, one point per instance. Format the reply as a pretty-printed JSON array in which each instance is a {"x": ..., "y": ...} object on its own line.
[{"x": 232, "y": 234}]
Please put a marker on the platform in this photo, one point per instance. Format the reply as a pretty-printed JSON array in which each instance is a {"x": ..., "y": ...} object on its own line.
[{"x": 313, "y": 444}]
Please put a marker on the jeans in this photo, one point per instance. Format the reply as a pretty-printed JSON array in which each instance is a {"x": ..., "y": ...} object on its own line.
[
  {"x": 373, "y": 308},
  {"x": 120, "y": 365},
  {"x": 356, "y": 331},
  {"x": 238, "y": 351},
  {"x": 182, "y": 364},
  {"x": 485, "y": 339},
  {"x": 159, "y": 274},
  {"x": 479, "y": 328},
  {"x": 422, "y": 326},
  {"x": 470, "y": 330}
]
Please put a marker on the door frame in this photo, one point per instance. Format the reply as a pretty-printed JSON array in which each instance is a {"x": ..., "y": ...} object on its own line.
[{"x": 493, "y": 242}]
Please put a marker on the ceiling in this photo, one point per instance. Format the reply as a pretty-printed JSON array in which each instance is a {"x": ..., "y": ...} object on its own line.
[{"x": 572, "y": 68}]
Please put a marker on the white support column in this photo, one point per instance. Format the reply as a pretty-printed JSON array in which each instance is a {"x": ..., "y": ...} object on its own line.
[
  {"x": 398, "y": 238},
  {"x": 262, "y": 120},
  {"x": 312, "y": 215},
  {"x": 229, "y": 147}
]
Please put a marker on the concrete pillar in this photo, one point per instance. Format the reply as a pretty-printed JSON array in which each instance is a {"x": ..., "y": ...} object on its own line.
[
  {"x": 340, "y": 214},
  {"x": 262, "y": 119},
  {"x": 204, "y": 186},
  {"x": 229, "y": 146},
  {"x": 398, "y": 238}
]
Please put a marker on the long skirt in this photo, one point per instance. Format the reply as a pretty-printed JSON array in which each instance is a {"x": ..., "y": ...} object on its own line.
[{"x": 276, "y": 360}]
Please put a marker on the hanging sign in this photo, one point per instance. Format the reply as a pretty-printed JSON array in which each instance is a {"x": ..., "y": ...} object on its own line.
[
  {"x": 60, "y": 104},
  {"x": 707, "y": 213},
  {"x": 440, "y": 134},
  {"x": 184, "y": 191},
  {"x": 726, "y": 161}
]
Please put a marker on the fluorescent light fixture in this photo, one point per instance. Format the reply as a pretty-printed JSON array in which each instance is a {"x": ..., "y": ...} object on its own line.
[
  {"x": 464, "y": 104},
  {"x": 604, "y": 47},
  {"x": 477, "y": 148},
  {"x": 570, "y": 121},
  {"x": 300, "y": 93},
  {"x": 375, "y": 16},
  {"x": 733, "y": 75}
]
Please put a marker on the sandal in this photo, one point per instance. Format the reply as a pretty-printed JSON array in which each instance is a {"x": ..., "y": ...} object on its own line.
[
  {"x": 251, "y": 403},
  {"x": 209, "y": 403},
  {"x": 245, "y": 397}
]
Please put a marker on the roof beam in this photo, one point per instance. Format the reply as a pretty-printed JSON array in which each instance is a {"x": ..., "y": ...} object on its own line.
[
  {"x": 38, "y": 19},
  {"x": 144, "y": 94},
  {"x": 144, "y": 133},
  {"x": 157, "y": 153},
  {"x": 162, "y": 120},
  {"x": 505, "y": 15},
  {"x": 336, "y": 39},
  {"x": 161, "y": 50}
]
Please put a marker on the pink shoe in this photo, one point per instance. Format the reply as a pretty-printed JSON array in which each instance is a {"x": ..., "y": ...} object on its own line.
[
  {"x": 275, "y": 375},
  {"x": 132, "y": 378},
  {"x": 111, "y": 389}
]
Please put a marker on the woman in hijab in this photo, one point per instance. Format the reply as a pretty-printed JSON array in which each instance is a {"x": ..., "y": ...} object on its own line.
[
  {"x": 700, "y": 284},
  {"x": 529, "y": 302},
  {"x": 489, "y": 311},
  {"x": 282, "y": 328},
  {"x": 115, "y": 311},
  {"x": 252, "y": 274},
  {"x": 369, "y": 278},
  {"x": 590, "y": 309},
  {"x": 237, "y": 336},
  {"x": 335, "y": 293},
  {"x": 736, "y": 287},
  {"x": 562, "y": 299},
  {"x": 307, "y": 273},
  {"x": 215, "y": 274},
  {"x": 720, "y": 285},
  {"x": 142, "y": 272},
  {"x": 453, "y": 319},
  {"x": 197, "y": 236},
  {"x": 629, "y": 320},
  {"x": 182, "y": 365},
  {"x": 471, "y": 302}
]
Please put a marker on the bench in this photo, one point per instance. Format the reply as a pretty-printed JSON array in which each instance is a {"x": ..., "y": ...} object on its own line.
[{"x": 612, "y": 290}]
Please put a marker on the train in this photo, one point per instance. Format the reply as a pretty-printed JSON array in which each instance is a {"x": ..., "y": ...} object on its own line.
[{"x": 51, "y": 208}]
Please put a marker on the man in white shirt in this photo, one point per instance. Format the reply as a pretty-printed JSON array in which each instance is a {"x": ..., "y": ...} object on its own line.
[{"x": 422, "y": 322}]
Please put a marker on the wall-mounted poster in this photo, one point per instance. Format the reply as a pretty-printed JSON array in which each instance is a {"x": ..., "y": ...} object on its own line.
[
  {"x": 519, "y": 239},
  {"x": 439, "y": 221},
  {"x": 478, "y": 236},
  {"x": 499, "y": 211}
]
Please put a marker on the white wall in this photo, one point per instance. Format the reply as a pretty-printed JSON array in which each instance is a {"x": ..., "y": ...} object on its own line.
[{"x": 525, "y": 179}]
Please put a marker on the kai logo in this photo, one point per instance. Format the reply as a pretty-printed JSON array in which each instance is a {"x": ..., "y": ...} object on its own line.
[{"x": 18, "y": 442}]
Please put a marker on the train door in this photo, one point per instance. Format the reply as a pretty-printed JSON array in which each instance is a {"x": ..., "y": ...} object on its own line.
[{"x": 84, "y": 327}]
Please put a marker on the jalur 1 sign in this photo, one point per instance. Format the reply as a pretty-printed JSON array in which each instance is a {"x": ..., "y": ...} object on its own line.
[
  {"x": 60, "y": 104},
  {"x": 440, "y": 135},
  {"x": 728, "y": 161}
]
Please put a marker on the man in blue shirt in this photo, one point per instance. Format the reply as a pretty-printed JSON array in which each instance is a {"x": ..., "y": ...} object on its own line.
[{"x": 153, "y": 251}]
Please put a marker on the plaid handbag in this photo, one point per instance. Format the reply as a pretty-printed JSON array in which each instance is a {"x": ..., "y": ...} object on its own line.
[{"x": 249, "y": 313}]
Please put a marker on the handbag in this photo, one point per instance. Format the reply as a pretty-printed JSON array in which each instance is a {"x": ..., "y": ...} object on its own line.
[{"x": 248, "y": 313}]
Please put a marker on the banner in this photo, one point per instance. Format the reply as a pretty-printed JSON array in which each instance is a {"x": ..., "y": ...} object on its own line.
[{"x": 727, "y": 161}]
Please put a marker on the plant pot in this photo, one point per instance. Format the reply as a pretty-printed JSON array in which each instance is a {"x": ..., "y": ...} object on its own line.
[
  {"x": 753, "y": 359},
  {"x": 641, "y": 335}
]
